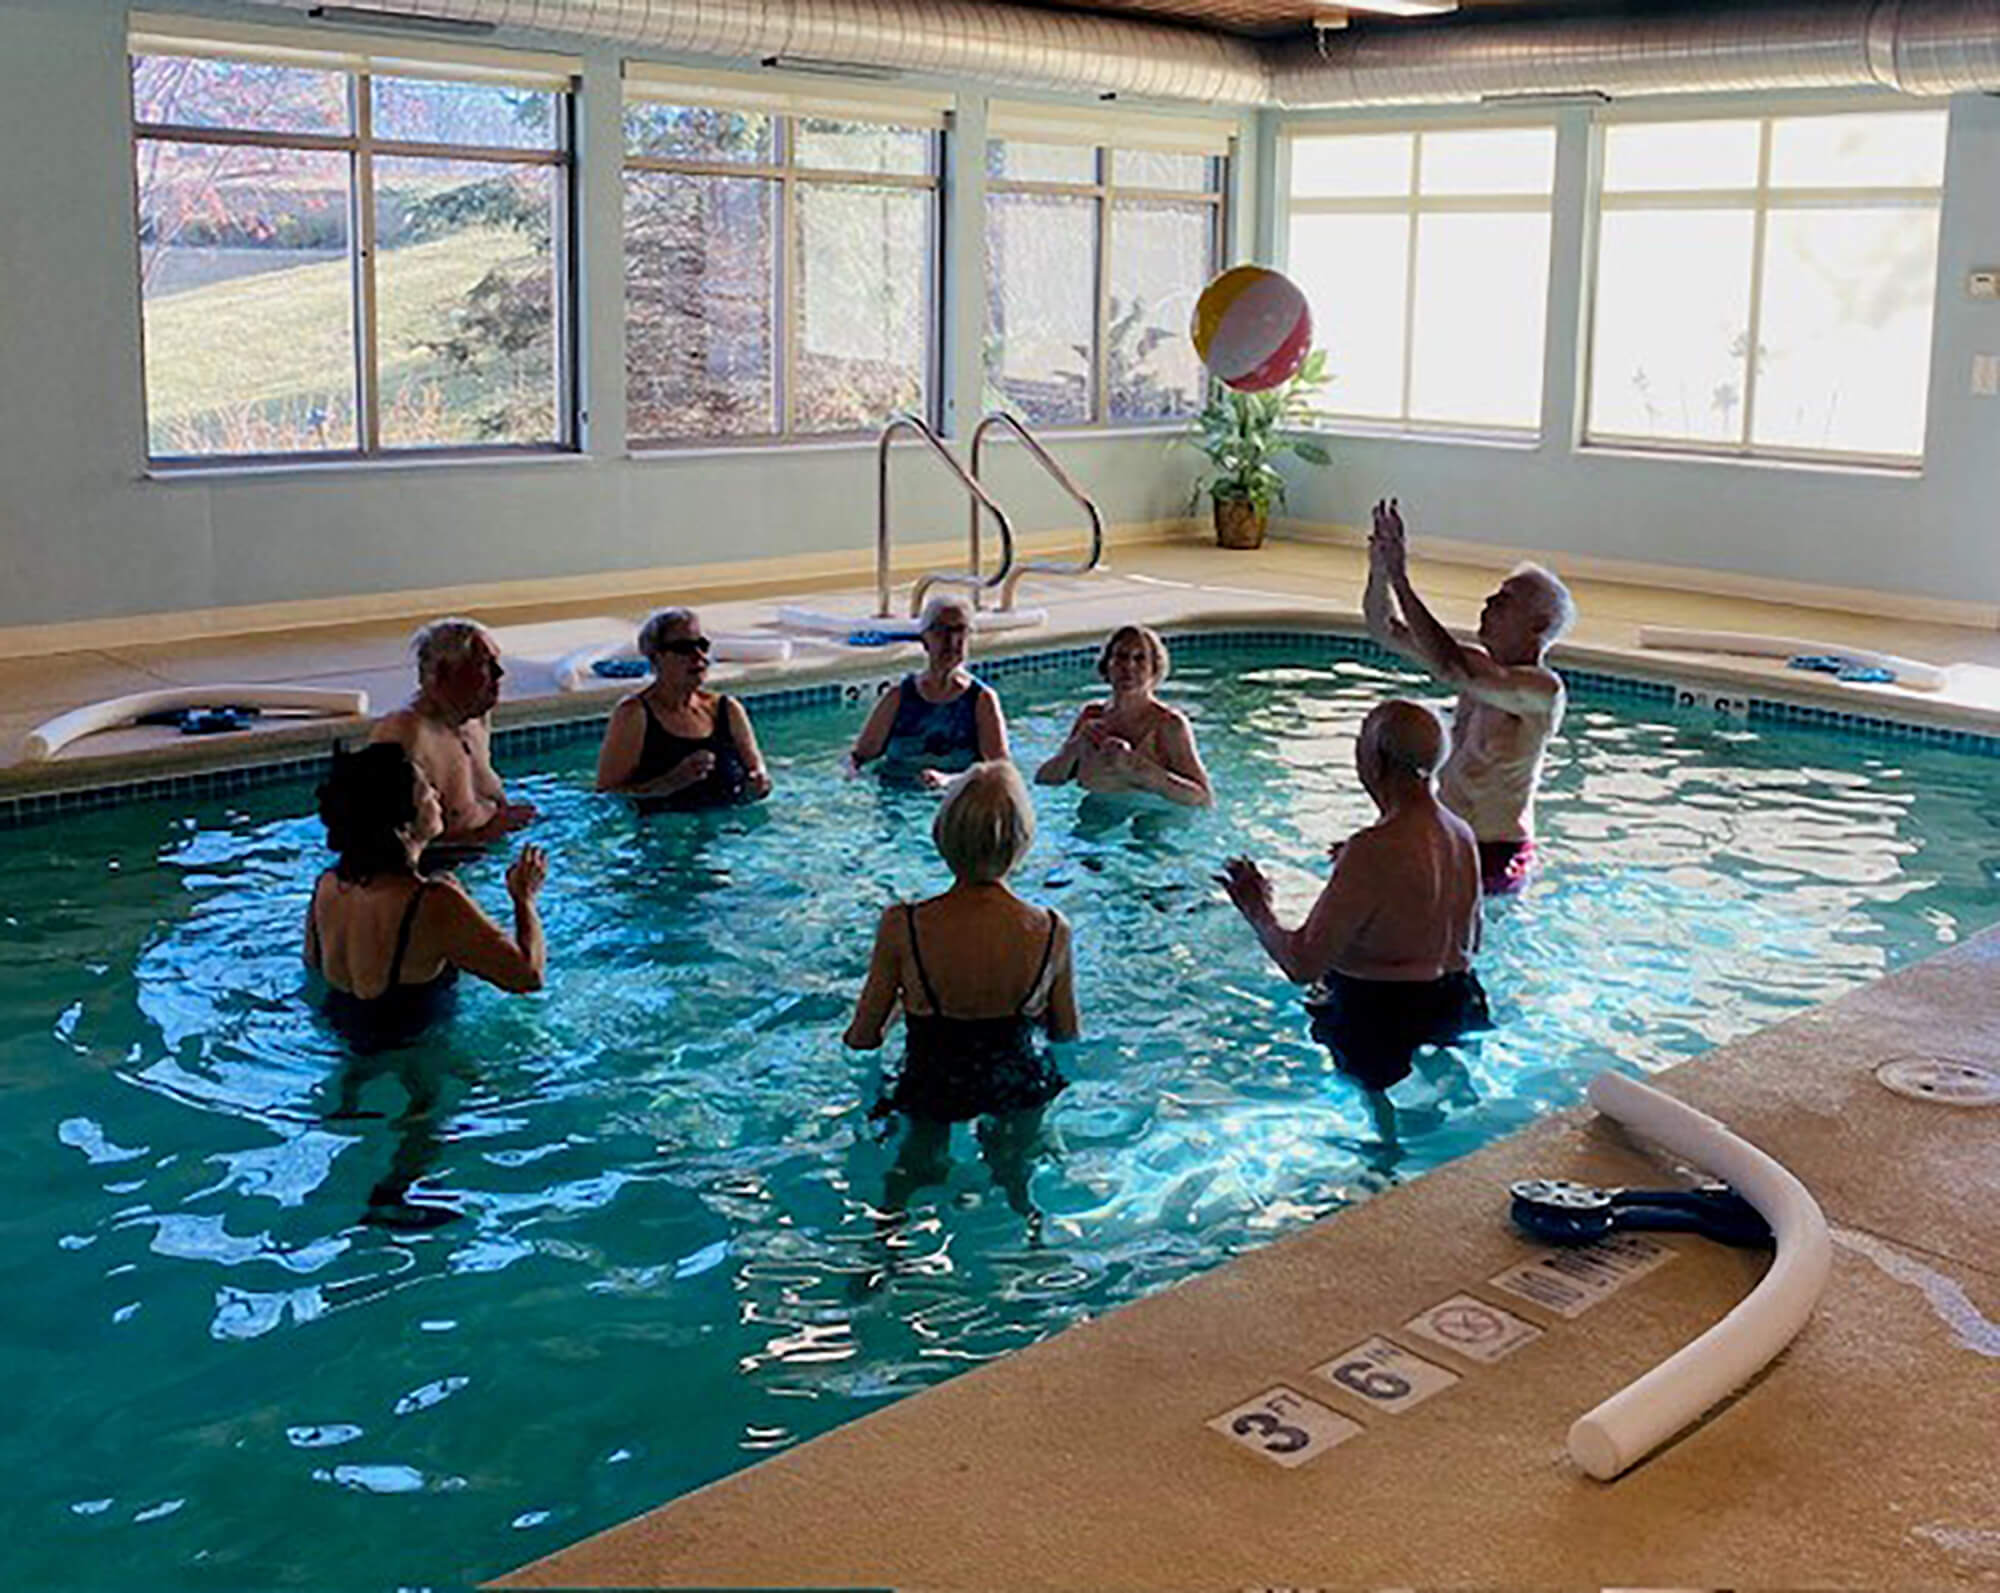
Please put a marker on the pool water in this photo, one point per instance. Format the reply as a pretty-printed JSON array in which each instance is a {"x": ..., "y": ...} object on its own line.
[{"x": 668, "y": 1260}]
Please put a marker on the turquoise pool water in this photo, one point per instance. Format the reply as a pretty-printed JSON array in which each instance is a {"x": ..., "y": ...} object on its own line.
[{"x": 666, "y": 1264}]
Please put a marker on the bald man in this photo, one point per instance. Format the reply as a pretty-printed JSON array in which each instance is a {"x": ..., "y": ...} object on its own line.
[
  {"x": 1388, "y": 946},
  {"x": 1509, "y": 701}
]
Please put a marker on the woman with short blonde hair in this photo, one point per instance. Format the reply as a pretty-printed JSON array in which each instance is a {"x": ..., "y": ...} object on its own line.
[
  {"x": 985, "y": 826},
  {"x": 1134, "y": 742},
  {"x": 977, "y": 971}
]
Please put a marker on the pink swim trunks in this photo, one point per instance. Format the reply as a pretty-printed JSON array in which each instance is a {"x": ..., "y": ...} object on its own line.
[{"x": 1504, "y": 866}]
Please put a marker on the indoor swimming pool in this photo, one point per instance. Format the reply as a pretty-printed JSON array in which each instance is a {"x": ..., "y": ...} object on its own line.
[{"x": 666, "y": 1260}]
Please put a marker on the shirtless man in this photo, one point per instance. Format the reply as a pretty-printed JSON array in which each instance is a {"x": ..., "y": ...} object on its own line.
[
  {"x": 1388, "y": 946},
  {"x": 1509, "y": 704},
  {"x": 444, "y": 729}
]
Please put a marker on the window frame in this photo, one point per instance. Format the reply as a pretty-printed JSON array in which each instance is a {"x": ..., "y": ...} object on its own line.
[
  {"x": 1105, "y": 195},
  {"x": 788, "y": 175},
  {"x": 1762, "y": 201},
  {"x": 1415, "y": 204},
  {"x": 361, "y": 148}
]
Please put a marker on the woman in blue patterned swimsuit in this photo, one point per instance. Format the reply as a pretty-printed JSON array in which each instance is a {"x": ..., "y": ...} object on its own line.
[
  {"x": 938, "y": 723},
  {"x": 977, "y": 971}
]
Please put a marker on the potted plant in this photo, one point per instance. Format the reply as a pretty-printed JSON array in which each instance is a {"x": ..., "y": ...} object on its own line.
[{"x": 1243, "y": 436}]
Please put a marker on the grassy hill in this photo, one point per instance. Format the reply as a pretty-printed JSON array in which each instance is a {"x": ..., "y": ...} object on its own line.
[{"x": 254, "y": 357}]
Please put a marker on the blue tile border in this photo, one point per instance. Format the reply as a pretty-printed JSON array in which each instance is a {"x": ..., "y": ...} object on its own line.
[{"x": 1584, "y": 685}]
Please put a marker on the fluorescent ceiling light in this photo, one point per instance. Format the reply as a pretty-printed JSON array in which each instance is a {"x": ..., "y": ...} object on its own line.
[
  {"x": 1402, "y": 8},
  {"x": 820, "y": 67},
  {"x": 405, "y": 21},
  {"x": 1565, "y": 97}
]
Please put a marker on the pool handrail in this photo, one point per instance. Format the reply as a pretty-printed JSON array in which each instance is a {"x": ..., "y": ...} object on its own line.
[
  {"x": 970, "y": 578},
  {"x": 1064, "y": 480},
  {"x": 1639, "y": 1418}
]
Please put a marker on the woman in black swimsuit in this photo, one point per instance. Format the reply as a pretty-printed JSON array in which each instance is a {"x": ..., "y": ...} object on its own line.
[
  {"x": 674, "y": 745},
  {"x": 978, "y": 972},
  {"x": 389, "y": 941}
]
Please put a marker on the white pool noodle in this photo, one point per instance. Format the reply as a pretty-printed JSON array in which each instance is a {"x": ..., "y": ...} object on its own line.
[
  {"x": 1908, "y": 671},
  {"x": 1644, "y": 1414},
  {"x": 46, "y": 740}
]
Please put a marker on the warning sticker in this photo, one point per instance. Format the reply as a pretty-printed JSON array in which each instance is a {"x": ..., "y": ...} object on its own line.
[
  {"x": 1388, "y": 1376},
  {"x": 1570, "y": 1281},
  {"x": 1286, "y": 1427},
  {"x": 1473, "y": 1328}
]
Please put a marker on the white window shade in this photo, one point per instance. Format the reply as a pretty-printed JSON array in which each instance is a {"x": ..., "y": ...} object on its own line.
[
  {"x": 1061, "y": 124},
  {"x": 781, "y": 94},
  {"x": 328, "y": 50}
]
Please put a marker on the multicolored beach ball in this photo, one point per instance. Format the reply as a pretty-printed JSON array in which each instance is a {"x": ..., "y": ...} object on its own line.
[{"x": 1252, "y": 328}]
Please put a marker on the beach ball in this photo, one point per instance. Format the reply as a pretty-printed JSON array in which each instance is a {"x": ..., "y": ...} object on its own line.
[{"x": 1252, "y": 328}]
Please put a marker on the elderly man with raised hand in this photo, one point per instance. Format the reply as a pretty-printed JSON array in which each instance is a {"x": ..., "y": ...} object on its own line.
[
  {"x": 1509, "y": 701},
  {"x": 445, "y": 730}
]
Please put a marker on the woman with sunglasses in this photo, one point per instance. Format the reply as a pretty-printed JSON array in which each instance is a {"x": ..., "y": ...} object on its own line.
[{"x": 673, "y": 745}]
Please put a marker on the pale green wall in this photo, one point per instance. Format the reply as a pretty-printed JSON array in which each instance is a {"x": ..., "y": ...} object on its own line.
[{"x": 83, "y": 535}]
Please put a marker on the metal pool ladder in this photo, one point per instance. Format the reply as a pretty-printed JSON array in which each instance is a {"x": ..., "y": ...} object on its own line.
[
  {"x": 980, "y": 499},
  {"x": 1011, "y": 579},
  {"x": 1007, "y": 578}
]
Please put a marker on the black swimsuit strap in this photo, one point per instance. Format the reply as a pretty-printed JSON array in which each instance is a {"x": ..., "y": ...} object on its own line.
[
  {"x": 916, "y": 954},
  {"x": 720, "y": 729},
  {"x": 403, "y": 932},
  {"x": 1048, "y": 951}
]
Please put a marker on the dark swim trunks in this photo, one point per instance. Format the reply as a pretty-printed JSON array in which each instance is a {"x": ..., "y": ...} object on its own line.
[
  {"x": 1504, "y": 866},
  {"x": 1374, "y": 1026}
]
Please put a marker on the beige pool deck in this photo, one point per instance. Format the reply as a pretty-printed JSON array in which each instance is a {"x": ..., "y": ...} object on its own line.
[{"x": 1867, "y": 1456}]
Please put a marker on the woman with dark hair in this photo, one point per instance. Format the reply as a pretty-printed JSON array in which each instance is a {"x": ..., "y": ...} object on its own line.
[
  {"x": 388, "y": 940},
  {"x": 1135, "y": 742}
]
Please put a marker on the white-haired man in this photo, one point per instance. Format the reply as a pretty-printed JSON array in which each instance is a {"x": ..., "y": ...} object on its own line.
[
  {"x": 1509, "y": 701},
  {"x": 445, "y": 731}
]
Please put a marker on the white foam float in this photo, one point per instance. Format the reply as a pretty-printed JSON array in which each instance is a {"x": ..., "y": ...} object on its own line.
[
  {"x": 574, "y": 670},
  {"x": 817, "y": 622},
  {"x": 1631, "y": 1424},
  {"x": 1908, "y": 671},
  {"x": 46, "y": 740}
]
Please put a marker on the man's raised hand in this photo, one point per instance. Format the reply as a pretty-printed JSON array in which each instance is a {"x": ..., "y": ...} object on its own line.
[{"x": 1387, "y": 544}]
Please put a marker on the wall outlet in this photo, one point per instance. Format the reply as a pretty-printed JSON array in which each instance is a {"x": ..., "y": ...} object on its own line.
[
  {"x": 1986, "y": 375},
  {"x": 1983, "y": 283}
]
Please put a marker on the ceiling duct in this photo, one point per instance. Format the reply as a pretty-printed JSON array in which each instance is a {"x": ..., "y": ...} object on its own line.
[
  {"x": 1916, "y": 46},
  {"x": 1926, "y": 47},
  {"x": 1060, "y": 51}
]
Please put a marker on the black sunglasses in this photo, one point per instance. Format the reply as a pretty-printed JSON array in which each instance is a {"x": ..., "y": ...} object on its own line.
[{"x": 687, "y": 646}]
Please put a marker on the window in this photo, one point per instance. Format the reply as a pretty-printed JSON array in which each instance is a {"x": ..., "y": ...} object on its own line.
[
  {"x": 1425, "y": 257},
  {"x": 337, "y": 259},
  {"x": 1765, "y": 285},
  {"x": 781, "y": 251},
  {"x": 1095, "y": 254}
]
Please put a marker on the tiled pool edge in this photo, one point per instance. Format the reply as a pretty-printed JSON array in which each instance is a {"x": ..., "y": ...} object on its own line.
[{"x": 1727, "y": 704}]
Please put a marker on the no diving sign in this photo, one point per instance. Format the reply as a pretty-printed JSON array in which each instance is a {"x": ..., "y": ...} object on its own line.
[{"x": 1472, "y": 1328}]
